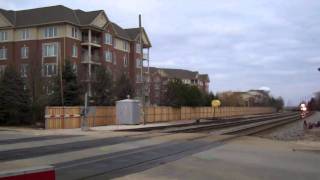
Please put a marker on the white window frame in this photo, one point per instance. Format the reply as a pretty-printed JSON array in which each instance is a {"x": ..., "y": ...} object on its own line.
[
  {"x": 2, "y": 69},
  {"x": 74, "y": 51},
  {"x": 50, "y": 32},
  {"x": 24, "y": 70},
  {"x": 3, "y": 36},
  {"x": 108, "y": 38},
  {"x": 74, "y": 32},
  {"x": 24, "y": 52},
  {"x": 47, "y": 52},
  {"x": 108, "y": 56},
  {"x": 138, "y": 48},
  {"x": 3, "y": 53},
  {"x": 49, "y": 66},
  {"x": 125, "y": 61},
  {"x": 25, "y": 34}
]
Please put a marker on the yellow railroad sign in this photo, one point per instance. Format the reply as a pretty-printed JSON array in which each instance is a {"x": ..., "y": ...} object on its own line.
[{"x": 215, "y": 103}]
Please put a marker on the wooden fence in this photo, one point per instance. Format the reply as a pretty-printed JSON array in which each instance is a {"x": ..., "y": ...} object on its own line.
[{"x": 69, "y": 117}]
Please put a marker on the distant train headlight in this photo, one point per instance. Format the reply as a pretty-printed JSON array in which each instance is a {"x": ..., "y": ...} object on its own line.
[{"x": 303, "y": 107}]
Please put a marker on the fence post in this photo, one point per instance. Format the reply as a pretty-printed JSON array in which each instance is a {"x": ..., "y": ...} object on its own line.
[
  {"x": 46, "y": 123},
  {"x": 84, "y": 123}
]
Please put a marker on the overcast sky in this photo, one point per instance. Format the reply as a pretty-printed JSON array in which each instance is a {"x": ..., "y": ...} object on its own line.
[{"x": 241, "y": 44}]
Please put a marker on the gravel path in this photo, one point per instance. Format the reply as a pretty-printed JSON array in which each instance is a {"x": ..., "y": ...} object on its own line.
[{"x": 294, "y": 131}]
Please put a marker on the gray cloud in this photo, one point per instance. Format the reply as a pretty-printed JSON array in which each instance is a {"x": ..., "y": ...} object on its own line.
[{"x": 241, "y": 44}]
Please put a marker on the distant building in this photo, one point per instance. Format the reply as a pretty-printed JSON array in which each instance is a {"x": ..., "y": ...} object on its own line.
[
  {"x": 255, "y": 97},
  {"x": 244, "y": 98},
  {"x": 159, "y": 78},
  {"x": 38, "y": 41}
]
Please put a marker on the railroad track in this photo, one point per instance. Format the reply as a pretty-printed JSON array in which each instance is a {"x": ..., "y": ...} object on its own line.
[
  {"x": 206, "y": 121},
  {"x": 136, "y": 160},
  {"x": 230, "y": 123}
]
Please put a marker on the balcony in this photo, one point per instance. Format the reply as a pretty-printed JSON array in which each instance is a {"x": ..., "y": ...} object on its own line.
[
  {"x": 95, "y": 41},
  {"x": 145, "y": 56},
  {"x": 94, "y": 60}
]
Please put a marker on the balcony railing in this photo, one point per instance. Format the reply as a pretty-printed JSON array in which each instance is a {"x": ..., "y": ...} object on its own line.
[
  {"x": 94, "y": 39},
  {"x": 94, "y": 59}
]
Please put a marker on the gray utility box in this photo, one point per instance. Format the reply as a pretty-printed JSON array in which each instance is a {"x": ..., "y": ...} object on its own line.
[{"x": 128, "y": 111}]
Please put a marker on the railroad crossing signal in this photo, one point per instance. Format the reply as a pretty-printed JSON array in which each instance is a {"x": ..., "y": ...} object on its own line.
[{"x": 215, "y": 103}]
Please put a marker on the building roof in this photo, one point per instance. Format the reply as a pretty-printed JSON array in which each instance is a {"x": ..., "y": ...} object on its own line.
[
  {"x": 58, "y": 14},
  {"x": 176, "y": 73},
  {"x": 85, "y": 18},
  {"x": 133, "y": 32},
  {"x": 51, "y": 14},
  {"x": 181, "y": 73},
  {"x": 9, "y": 15},
  {"x": 121, "y": 32},
  {"x": 204, "y": 77}
]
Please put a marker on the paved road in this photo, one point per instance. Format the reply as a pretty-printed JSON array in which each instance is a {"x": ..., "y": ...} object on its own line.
[{"x": 106, "y": 154}]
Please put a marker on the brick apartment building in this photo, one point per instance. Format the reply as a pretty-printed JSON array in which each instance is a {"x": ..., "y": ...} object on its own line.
[
  {"x": 38, "y": 41},
  {"x": 159, "y": 78}
]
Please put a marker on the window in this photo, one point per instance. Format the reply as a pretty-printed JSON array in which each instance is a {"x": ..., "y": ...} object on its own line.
[
  {"x": 114, "y": 43},
  {"x": 108, "y": 38},
  {"x": 125, "y": 46},
  {"x": 139, "y": 63},
  {"x": 74, "y": 51},
  {"x": 3, "y": 35},
  {"x": 24, "y": 70},
  {"x": 74, "y": 67},
  {"x": 2, "y": 69},
  {"x": 114, "y": 58},
  {"x": 125, "y": 60},
  {"x": 50, "y": 32},
  {"x": 108, "y": 56},
  {"x": 49, "y": 70},
  {"x": 49, "y": 89},
  {"x": 165, "y": 82},
  {"x": 139, "y": 78},
  {"x": 3, "y": 53},
  {"x": 157, "y": 79},
  {"x": 74, "y": 32},
  {"x": 50, "y": 50},
  {"x": 138, "y": 48},
  {"x": 157, "y": 94},
  {"x": 25, "y": 34},
  {"x": 24, "y": 52},
  {"x": 157, "y": 86}
]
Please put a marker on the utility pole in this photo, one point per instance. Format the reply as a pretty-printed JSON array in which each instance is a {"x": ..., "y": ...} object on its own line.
[
  {"x": 61, "y": 82},
  {"x": 141, "y": 72}
]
